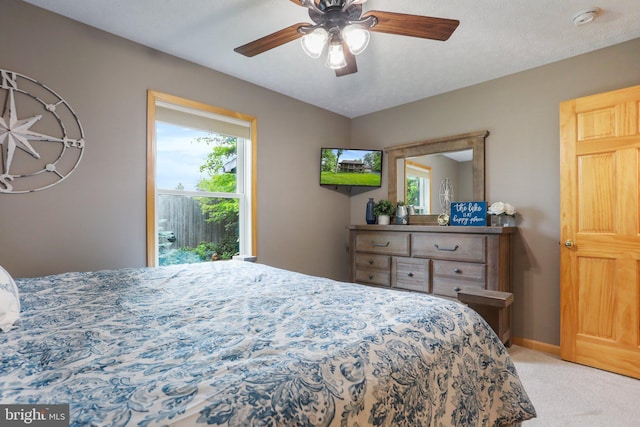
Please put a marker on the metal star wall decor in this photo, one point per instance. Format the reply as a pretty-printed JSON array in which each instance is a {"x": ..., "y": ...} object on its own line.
[{"x": 41, "y": 138}]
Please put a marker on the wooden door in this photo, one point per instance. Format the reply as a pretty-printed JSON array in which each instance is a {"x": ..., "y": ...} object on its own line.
[{"x": 600, "y": 231}]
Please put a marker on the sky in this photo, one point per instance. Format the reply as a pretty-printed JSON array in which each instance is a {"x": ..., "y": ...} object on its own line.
[
  {"x": 178, "y": 156},
  {"x": 353, "y": 154}
]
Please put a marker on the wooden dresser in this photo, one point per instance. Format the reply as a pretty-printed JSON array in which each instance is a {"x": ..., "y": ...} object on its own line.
[{"x": 471, "y": 264}]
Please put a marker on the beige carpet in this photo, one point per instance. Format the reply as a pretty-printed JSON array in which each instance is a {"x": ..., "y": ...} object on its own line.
[{"x": 571, "y": 395}]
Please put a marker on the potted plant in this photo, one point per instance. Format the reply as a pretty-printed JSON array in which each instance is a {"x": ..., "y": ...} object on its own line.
[
  {"x": 384, "y": 210},
  {"x": 502, "y": 214}
]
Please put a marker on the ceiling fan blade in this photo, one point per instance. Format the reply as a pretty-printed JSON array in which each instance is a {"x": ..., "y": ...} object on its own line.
[
  {"x": 351, "y": 66},
  {"x": 272, "y": 40},
  {"x": 403, "y": 24}
]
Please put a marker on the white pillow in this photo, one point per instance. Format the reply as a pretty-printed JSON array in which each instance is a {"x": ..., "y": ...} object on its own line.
[{"x": 9, "y": 301}]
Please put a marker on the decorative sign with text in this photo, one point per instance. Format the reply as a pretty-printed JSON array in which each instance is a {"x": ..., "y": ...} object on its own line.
[{"x": 468, "y": 213}]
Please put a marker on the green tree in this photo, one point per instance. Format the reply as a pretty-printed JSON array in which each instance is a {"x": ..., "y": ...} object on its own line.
[
  {"x": 374, "y": 161},
  {"x": 329, "y": 161},
  {"x": 338, "y": 154},
  {"x": 413, "y": 191},
  {"x": 221, "y": 178}
]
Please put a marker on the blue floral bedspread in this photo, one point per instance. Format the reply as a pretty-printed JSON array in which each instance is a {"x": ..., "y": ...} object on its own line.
[{"x": 241, "y": 344}]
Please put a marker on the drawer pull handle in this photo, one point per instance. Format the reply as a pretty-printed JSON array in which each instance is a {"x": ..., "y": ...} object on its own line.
[
  {"x": 370, "y": 261},
  {"x": 370, "y": 276},
  {"x": 380, "y": 245},
  {"x": 457, "y": 289},
  {"x": 457, "y": 270},
  {"x": 410, "y": 274},
  {"x": 446, "y": 249}
]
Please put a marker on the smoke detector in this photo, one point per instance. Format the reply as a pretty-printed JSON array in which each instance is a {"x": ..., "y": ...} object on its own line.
[{"x": 586, "y": 16}]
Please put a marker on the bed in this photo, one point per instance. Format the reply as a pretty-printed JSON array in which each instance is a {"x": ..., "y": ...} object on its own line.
[{"x": 243, "y": 344}]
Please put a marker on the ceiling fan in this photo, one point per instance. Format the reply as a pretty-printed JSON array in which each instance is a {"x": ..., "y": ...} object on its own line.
[{"x": 342, "y": 28}]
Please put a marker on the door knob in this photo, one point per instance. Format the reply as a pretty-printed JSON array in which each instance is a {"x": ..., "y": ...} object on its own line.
[{"x": 569, "y": 243}]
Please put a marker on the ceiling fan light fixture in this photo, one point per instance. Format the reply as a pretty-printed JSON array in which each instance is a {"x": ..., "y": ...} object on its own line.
[
  {"x": 335, "y": 55},
  {"x": 314, "y": 42},
  {"x": 357, "y": 38}
]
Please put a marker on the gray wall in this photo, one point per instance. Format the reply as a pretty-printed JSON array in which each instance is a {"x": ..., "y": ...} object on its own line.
[
  {"x": 95, "y": 219},
  {"x": 522, "y": 159}
]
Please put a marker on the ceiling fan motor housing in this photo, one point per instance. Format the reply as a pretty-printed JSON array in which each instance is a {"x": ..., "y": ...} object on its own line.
[
  {"x": 329, "y": 3},
  {"x": 333, "y": 16}
]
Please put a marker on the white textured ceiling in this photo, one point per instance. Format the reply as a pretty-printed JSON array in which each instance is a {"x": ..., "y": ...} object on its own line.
[{"x": 495, "y": 38}]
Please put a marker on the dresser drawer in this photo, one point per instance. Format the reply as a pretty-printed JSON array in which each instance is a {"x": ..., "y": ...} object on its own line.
[
  {"x": 448, "y": 287},
  {"x": 462, "y": 247},
  {"x": 373, "y": 277},
  {"x": 460, "y": 270},
  {"x": 388, "y": 243},
  {"x": 449, "y": 277},
  {"x": 411, "y": 274},
  {"x": 371, "y": 261}
]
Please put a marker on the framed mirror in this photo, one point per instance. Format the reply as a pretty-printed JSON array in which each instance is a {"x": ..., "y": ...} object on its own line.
[{"x": 425, "y": 174}]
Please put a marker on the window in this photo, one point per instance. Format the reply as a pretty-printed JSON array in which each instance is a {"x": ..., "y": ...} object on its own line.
[
  {"x": 418, "y": 187},
  {"x": 201, "y": 189}
]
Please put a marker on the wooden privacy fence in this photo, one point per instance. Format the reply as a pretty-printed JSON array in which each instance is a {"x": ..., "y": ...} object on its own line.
[{"x": 183, "y": 216}]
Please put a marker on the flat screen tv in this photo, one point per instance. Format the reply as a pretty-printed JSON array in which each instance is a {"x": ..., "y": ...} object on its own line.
[{"x": 351, "y": 167}]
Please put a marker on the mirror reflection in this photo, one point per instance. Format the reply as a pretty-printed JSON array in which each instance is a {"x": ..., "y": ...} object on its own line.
[
  {"x": 432, "y": 181},
  {"x": 428, "y": 175}
]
